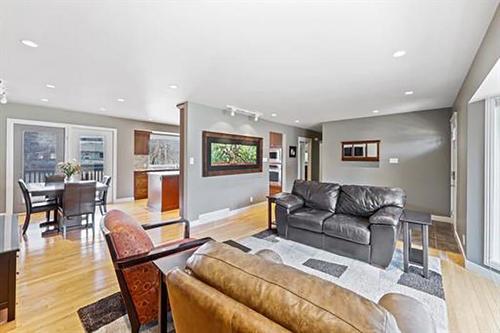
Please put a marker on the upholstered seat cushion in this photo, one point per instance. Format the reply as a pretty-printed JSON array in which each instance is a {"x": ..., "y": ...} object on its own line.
[
  {"x": 352, "y": 228},
  {"x": 308, "y": 219}
]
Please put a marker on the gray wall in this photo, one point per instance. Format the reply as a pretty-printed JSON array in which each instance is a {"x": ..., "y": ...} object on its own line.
[
  {"x": 475, "y": 188},
  {"x": 485, "y": 59},
  {"x": 421, "y": 141},
  {"x": 208, "y": 194},
  {"x": 125, "y": 138}
]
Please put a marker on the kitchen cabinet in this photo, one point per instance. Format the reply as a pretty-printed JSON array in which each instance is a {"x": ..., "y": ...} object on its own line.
[
  {"x": 140, "y": 185},
  {"x": 163, "y": 190},
  {"x": 275, "y": 140},
  {"x": 141, "y": 142}
]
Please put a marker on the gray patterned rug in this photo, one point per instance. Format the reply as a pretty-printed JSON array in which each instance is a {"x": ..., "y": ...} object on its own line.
[
  {"x": 109, "y": 315},
  {"x": 362, "y": 278}
]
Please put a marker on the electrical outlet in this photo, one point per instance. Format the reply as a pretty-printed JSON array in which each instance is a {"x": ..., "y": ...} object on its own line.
[
  {"x": 191, "y": 160},
  {"x": 463, "y": 240},
  {"x": 251, "y": 199}
]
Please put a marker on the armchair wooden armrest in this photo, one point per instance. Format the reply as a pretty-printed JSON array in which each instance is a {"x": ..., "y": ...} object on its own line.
[
  {"x": 158, "y": 253},
  {"x": 181, "y": 220}
]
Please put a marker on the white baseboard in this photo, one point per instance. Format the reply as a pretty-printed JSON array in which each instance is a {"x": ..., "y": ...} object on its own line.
[
  {"x": 473, "y": 267},
  {"x": 483, "y": 271},
  {"x": 221, "y": 214},
  {"x": 120, "y": 200},
  {"x": 439, "y": 218}
]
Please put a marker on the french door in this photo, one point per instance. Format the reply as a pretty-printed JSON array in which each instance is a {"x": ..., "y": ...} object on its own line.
[
  {"x": 37, "y": 149},
  {"x": 93, "y": 150}
]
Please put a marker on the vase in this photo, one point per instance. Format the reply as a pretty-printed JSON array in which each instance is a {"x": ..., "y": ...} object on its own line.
[{"x": 70, "y": 179}]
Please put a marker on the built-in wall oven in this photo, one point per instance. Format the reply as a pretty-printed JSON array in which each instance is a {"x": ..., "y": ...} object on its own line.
[
  {"x": 275, "y": 174},
  {"x": 274, "y": 155}
]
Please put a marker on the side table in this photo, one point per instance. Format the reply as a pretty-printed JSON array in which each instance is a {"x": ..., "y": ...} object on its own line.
[
  {"x": 270, "y": 200},
  {"x": 416, "y": 220}
]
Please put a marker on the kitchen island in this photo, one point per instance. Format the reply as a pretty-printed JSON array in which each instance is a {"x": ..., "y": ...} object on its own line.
[{"x": 163, "y": 190}]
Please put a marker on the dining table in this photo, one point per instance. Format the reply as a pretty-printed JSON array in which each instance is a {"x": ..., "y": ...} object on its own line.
[{"x": 54, "y": 190}]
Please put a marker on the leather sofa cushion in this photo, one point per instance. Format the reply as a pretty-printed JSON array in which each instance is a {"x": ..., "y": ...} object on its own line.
[
  {"x": 308, "y": 219},
  {"x": 352, "y": 228},
  {"x": 317, "y": 195},
  {"x": 366, "y": 200},
  {"x": 297, "y": 301}
]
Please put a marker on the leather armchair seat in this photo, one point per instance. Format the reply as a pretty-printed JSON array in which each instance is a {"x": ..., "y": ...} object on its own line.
[
  {"x": 361, "y": 222},
  {"x": 352, "y": 228},
  {"x": 309, "y": 219}
]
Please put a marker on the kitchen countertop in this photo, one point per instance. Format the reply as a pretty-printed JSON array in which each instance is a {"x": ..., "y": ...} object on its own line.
[
  {"x": 164, "y": 173},
  {"x": 154, "y": 170}
]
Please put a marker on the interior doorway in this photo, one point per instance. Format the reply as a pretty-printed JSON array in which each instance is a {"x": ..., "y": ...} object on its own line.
[{"x": 304, "y": 158}]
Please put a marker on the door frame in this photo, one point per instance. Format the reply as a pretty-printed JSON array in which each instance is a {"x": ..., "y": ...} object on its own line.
[
  {"x": 453, "y": 167},
  {"x": 9, "y": 160},
  {"x": 309, "y": 141}
]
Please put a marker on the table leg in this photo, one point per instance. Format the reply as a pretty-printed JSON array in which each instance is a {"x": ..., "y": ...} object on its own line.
[
  {"x": 269, "y": 214},
  {"x": 425, "y": 250},
  {"x": 12, "y": 272},
  {"x": 406, "y": 247},
  {"x": 163, "y": 307}
]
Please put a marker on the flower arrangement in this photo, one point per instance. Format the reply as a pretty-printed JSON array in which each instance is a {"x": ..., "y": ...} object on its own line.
[{"x": 69, "y": 168}]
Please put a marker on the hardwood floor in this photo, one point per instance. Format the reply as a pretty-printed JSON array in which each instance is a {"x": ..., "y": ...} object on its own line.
[{"x": 58, "y": 276}]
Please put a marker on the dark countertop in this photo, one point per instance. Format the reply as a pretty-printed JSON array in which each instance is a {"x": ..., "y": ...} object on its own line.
[{"x": 9, "y": 236}]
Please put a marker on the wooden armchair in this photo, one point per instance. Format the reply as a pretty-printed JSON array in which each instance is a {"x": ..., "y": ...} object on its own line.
[{"x": 133, "y": 252}]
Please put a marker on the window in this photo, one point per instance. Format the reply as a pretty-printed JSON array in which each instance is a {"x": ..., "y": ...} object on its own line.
[
  {"x": 164, "y": 150},
  {"x": 39, "y": 155}
]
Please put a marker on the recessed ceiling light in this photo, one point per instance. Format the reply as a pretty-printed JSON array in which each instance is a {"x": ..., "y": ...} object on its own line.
[
  {"x": 375, "y": 111},
  {"x": 297, "y": 121},
  {"x": 173, "y": 86},
  {"x": 44, "y": 100},
  {"x": 29, "y": 43},
  {"x": 399, "y": 54},
  {"x": 51, "y": 86},
  {"x": 274, "y": 115},
  {"x": 102, "y": 109},
  {"x": 409, "y": 92},
  {"x": 121, "y": 100}
]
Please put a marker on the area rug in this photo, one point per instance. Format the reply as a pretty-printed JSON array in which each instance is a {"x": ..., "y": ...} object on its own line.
[
  {"x": 109, "y": 314},
  {"x": 362, "y": 278}
]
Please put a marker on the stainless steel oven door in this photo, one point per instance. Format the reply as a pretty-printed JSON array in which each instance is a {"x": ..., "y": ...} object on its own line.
[{"x": 275, "y": 174}]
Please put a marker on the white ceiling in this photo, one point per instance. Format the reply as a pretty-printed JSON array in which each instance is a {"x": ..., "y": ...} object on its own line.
[{"x": 313, "y": 61}]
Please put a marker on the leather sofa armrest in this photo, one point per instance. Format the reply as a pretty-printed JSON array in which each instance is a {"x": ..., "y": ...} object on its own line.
[
  {"x": 290, "y": 202},
  {"x": 387, "y": 215},
  {"x": 411, "y": 315}
]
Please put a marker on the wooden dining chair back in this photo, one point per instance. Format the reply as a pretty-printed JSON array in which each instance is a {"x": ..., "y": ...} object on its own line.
[
  {"x": 102, "y": 196},
  {"x": 57, "y": 178},
  {"x": 78, "y": 200},
  {"x": 34, "y": 207},
  {"x": 133, "y": 252}
]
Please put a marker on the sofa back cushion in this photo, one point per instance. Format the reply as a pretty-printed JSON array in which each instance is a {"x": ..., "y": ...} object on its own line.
[
  {"x": 317, "y": 195},
  {"x": 360, "y": 200},
  {"x": 297, "y": 301}
]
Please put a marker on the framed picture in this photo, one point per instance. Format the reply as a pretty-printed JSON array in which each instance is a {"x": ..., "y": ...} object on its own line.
[
  {"x": 292, "y": 151},
  {"x": 229, "y": 154},
  {"x": 361, "y": 150}
]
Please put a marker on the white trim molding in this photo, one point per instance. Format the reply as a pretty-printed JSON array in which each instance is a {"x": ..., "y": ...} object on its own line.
[
  {"x": 127, "y": 199},
  {"x": 492, "y": 184},
  {"x": 222, "y": 214},
  {"x": 439, "y": 218}
]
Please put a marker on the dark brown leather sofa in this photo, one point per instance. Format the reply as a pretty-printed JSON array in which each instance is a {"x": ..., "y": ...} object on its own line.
[
  {"x": 224, "y": 290},
  {"x": 360, "y": 222}
]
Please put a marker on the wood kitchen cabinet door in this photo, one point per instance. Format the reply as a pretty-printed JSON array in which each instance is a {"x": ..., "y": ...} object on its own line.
[
  {"x": 275, "y": 139},
  {"x": 140, "y": 185},
  {"x": 141, "y": 142}
]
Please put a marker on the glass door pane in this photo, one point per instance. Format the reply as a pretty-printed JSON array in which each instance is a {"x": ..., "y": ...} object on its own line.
[{"x": 41, "y": 148}]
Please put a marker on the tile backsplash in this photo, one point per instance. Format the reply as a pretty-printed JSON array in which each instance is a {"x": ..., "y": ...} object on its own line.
[{"x": 141, "y": 162}]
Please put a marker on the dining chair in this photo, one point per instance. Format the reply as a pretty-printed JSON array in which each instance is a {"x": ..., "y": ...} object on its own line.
[
  {"x": 35, "y": 207},
  {"x": 56, "y": 178},
  {"x": 133, "y": 252},
  {"x": 78, "y": 200},
  {"x": 102, "y": 196}
]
